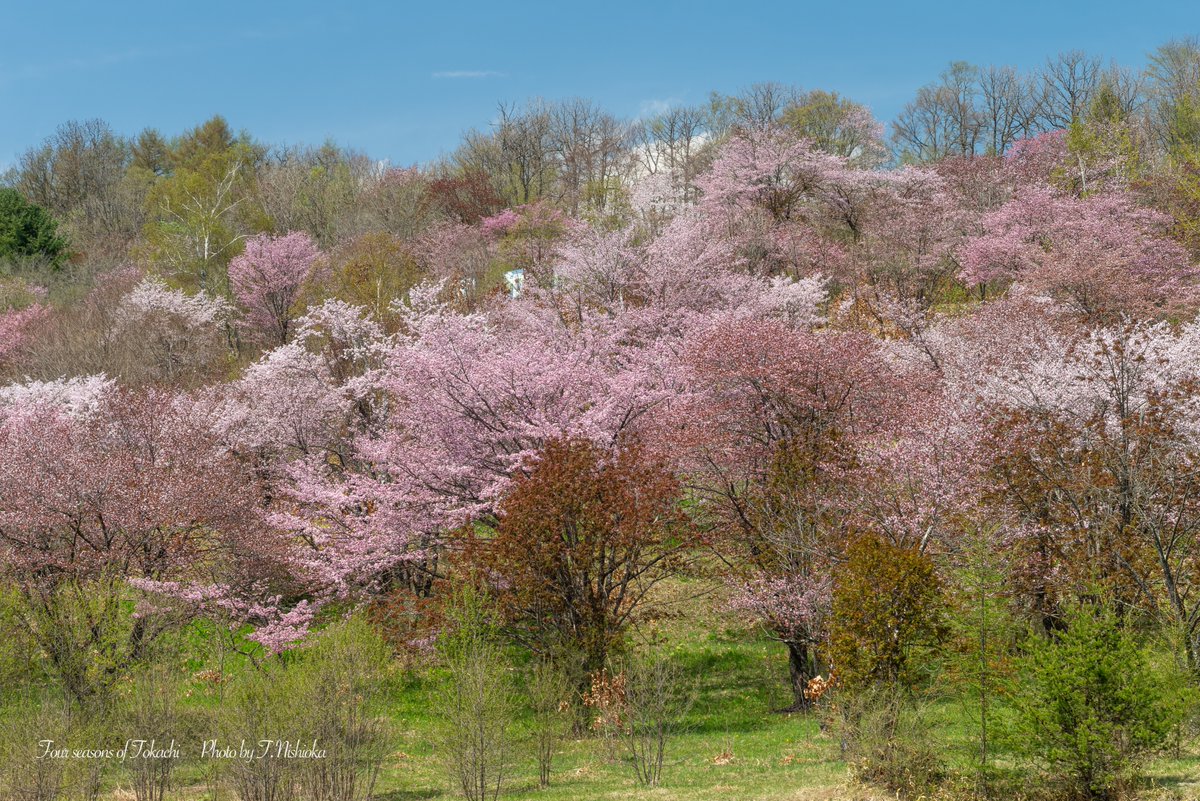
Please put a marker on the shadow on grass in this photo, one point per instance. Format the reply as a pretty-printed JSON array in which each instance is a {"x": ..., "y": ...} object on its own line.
[
  {"x": 406, "y": 795},
  {"x": 735, "y": 692},
  {"x": 1174, "y": 781}
]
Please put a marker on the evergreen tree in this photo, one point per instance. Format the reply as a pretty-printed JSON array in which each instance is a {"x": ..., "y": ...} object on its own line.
[{"x": 27, "y": 231}]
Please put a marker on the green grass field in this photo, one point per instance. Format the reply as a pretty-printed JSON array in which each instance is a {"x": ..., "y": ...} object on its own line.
[
  {"x": 735, "y": 742},
  {"x": 735, "y": 745}
]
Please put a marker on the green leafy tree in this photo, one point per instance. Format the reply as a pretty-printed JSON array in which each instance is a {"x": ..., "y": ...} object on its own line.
[
  {"x": 203, "y": 210},
  {"x": 151, "y": 153},
  {"x": 1091, "y": 704},
  {"x": 839, "y": 126},
  {"x": 28, "y": 232},
  {"x": 886, "y": 607},
  {"x": 1104, "y": 146},
  {"x": 979, "y": 665}
]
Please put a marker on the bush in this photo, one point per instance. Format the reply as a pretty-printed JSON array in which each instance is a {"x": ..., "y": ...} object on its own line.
[
  {"x": 888, "y": 741},
  {"x": 321, "y": 709},
  {"x": 477, "y": 702},
  {"x": 152, "y": 723},
  {"x": 86, "y": 634},
  {"x": 550, "y": 690},
  {"x": 23, "y": 727},
  {"x": 85, "y": 777},
  {"x": 339, "y": 685},
  {"x": 886, "y": 602},
  {"x": 259, "y": 707},
  {"x": 20, "y": 661},
  {"x": 1090, "y": 705},
  {"x": 39, "y": 723},
  {"x": 656, "y": 701}
]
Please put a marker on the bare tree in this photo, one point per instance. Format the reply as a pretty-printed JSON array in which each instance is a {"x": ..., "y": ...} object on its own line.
[
  {"x": 944, "y": 119},
  {"x": 670, "y": 143},
  {"x": 79, "y": 160},
  {"x": 960, "y": 89},
  {"x": 1172, "y": 78},
  {"x": 517, "y": 154},
  {"x": 1125, "y": 88},
  {"x": 1008, "y": 103},
  {"x": 549, "y": 687},
  {"x": 1174, "y": 69},
  {"x": 1070, "y": 81},
  {"x": 920, "y": 130},
  {"x": 79, "y": 174},
  {"x": 317, "y": 190},
  {"x": 590, "y": 146},
  {"x": 762, "y": 104}
]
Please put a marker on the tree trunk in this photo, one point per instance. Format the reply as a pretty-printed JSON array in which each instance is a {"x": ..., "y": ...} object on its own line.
[{"x": 800, "y": 666}]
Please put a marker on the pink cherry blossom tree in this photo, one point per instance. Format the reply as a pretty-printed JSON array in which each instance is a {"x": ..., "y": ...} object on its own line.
[
  {"x": 1102, "y": 255},
  {"x": 768, "y": 428},
  {"x": 132, "y": 487},
  {"x": 266, "y": 278},
  {"x": 180, "y": 334}
]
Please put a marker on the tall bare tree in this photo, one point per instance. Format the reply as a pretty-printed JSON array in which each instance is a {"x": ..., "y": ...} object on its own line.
[
  {"x": 1070, "y": 81},
  {"x": 944, "y": 119},
  {"x": 1009, "y": 104},
  {"x": 671, "y": 142},
  {"x": 590, "y": 146},
  {"x": 516, "y": 154}
]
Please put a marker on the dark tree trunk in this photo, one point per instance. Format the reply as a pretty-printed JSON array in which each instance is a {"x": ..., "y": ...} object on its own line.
[{"x": 800, "y": 667}]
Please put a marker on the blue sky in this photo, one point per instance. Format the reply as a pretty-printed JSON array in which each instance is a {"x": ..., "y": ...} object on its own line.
[{"x": 402, "y": 80}]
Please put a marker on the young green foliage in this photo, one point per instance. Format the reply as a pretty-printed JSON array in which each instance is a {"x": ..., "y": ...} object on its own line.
[{"x": 1091, "y": 705}]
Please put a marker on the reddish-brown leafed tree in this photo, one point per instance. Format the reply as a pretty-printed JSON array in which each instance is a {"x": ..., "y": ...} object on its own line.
[{"x": 581, "y": 542}]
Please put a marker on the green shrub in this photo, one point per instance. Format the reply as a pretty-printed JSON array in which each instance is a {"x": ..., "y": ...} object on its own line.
[
  {"x": 314, "y": 717},
  {"x": 1090, "y": 704},
  {"x": 26, "y": 729},
  {"x": 259, "y": 707},
  {"x": 28, "y": 232},
  {"x": 150, "y": 718},
  {"x": 886, "y": 608},
  {"x": 20, "y": 662},
  {"x": 338, "y": 685},
  {"x": 887, "y": 617},
  {"x": 86, "y": 636}
]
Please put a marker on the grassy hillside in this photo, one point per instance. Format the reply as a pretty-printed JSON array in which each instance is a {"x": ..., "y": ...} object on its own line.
[{"x": 736, "y": 742}]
